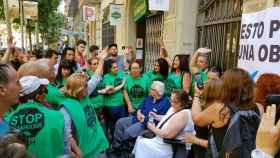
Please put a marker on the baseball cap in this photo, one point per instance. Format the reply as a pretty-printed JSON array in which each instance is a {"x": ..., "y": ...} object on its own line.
[{"x": 30, "y": 84}]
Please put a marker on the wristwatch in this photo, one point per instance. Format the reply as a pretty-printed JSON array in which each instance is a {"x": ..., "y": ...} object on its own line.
[{"x": 257, "y": 153}]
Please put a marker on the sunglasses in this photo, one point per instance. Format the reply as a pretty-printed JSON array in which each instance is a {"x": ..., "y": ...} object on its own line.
[{"x": 94, "y": 63}]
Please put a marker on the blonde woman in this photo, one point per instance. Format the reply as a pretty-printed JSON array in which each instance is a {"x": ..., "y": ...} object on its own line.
[{"x": 85, "y": 127}]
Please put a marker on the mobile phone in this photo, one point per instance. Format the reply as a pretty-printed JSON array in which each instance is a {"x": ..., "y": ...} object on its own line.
[
  {"x": 273, "y": 99},
  {"x": 199, "y": 81}
]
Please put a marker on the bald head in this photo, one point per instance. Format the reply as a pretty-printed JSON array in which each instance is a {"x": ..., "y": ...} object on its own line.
[{"x": 40, "y": 68}]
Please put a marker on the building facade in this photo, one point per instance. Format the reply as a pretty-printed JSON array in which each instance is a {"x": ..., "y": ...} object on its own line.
[{"x": 186, "y": 26}]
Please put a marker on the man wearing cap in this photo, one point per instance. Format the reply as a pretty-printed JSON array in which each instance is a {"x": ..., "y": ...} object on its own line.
[
  {"x": 43, "y": 128},
  {"x": 133, "y": 126}
]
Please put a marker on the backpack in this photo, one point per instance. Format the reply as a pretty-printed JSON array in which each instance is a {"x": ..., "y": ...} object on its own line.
[{"x": 240, "y": 137}]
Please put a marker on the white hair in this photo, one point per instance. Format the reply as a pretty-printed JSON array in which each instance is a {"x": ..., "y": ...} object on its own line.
[{"x": 159, "y": 87}]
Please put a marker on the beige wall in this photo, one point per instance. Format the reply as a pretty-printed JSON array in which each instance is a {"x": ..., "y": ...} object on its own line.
[
  {"x": 178, "y": 31},
  {"x": 179, "y": 27},
  {"x": 126, "y": 32}
]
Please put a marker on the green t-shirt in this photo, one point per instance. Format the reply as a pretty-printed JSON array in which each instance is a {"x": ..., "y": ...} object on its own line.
[
  {"x": 137, "y": 89},
  {"x": 153, "y": 76},
  {"x": 173, "y": 82},
  {"x": 60, "y": 83},
  {"x": 90, "y": 72},
  {"x": 96, "y": 99},
  {"x": 54, "y": 96},
  {"x": 43, "y": 129},
  {"x": 193, "y": 81},
  {"x": 115, "y": 99},
  {"x": 89, "y": 133}
]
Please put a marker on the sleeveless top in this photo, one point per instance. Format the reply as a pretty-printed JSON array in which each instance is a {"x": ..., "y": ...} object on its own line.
[{"x": 189, "y": 127}]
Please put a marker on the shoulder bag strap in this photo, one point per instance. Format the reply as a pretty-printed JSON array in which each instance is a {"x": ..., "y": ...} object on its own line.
[{"x": 168, "y": 119}]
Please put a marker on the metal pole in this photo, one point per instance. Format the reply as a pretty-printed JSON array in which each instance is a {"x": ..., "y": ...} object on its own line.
[
  {"x": 21, "y": 23},
  {"x": 7, "y": 15},
  {"x": 37, "y": 33},
  {"x": 100, "y": 23}
]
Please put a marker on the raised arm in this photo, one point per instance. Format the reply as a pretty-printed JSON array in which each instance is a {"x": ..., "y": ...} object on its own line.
[
  {"x": 96, "y": 78},
  {"x": 193, "y": 63},
  {"x": 5, "y": 59},
  {"x": 201, "y": 117},
  {"x": 193, "y": 66}
]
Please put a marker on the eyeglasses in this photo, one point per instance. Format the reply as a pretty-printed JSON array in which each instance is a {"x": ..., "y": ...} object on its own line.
[{"x": 94, "y": 63}]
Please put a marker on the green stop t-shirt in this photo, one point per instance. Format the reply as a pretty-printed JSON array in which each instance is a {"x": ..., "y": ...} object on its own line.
[
  {"x": 115, "y": 99},
  {"x": 137, "y": 89},
  {"x": 89, "y": 133},
  {"x": 43, "y": 129}
]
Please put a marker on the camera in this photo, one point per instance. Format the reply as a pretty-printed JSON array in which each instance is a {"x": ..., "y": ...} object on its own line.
[{"x": 273, "y": 99}]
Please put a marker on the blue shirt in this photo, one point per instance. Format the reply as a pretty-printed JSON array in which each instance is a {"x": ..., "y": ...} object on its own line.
[
  {"x": 4, "y": 128},
  {"x": 160, "y": 106}
]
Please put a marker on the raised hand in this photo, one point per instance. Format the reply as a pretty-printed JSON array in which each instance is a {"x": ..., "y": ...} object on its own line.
[
  {"x": 10, "y": 40},
  {"x": 268, "y": 135}
]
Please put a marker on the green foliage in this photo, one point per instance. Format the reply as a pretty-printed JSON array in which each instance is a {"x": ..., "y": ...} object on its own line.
[
  {"x": 1, "y": 10},
  {"x": 52, "y": 31},
  {"x": 49, "y": 20}
]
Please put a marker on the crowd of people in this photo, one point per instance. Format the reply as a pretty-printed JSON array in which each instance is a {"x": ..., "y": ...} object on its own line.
[{"x": 77, "y": 104}]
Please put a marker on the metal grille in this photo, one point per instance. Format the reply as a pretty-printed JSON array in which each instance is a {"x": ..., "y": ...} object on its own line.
[
  {"x": 154, "y": 27},
  {"x": 108, "y": 34},
  {"x": 277, "y": 3},
  {"x": 218, "y": 28}
]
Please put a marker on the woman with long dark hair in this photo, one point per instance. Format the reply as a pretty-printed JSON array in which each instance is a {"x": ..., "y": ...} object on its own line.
[
  {"x": 160, "y": 72},
  {"x": 237, "y": 94},
  {"x": 65, "y": 69},
  {"x": 179, "y": 77},
  {"x": 68, "y": 53}
]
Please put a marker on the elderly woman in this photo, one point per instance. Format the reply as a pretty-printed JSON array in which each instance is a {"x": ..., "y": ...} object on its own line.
[
  {"x": 174, "y": 124},
  {"x": 133, "y": 126}
]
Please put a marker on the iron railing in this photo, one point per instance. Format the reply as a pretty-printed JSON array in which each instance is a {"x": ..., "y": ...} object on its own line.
[
  {"x": 154, "y": 27},
  {"x": 218, "y": 28},
  {"x": 108, "y": 34}
]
